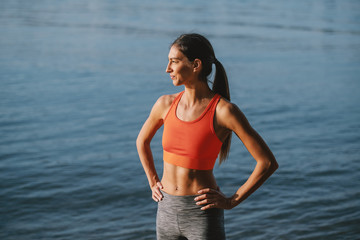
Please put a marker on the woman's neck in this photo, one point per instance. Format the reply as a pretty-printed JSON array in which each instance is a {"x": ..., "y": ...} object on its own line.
[{"x": 197, "y": 93}]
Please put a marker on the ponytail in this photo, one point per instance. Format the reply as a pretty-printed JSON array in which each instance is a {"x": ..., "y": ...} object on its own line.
[{"x": 221, "y": 86}]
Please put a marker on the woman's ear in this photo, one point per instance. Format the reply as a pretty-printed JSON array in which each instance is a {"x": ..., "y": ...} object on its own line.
[{"x": 197, "y": 65}]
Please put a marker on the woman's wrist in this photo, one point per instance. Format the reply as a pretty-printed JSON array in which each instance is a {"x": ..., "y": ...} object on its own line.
[
  {"x": 153, "y": 180},
  {"x": 233, "y": 201}
]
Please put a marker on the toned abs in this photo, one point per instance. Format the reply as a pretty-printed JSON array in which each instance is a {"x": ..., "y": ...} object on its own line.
[{"x": 181, "y": 181}]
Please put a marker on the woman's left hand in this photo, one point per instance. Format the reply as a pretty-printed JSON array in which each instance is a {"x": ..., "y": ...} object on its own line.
[{"x": 212, "y": 198}]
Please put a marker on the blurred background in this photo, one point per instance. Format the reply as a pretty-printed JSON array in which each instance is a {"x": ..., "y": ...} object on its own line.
[{"x": 78, "y": 79}]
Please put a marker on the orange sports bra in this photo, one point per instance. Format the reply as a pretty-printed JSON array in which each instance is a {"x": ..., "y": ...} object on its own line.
[{"x": 192, "y": 144}]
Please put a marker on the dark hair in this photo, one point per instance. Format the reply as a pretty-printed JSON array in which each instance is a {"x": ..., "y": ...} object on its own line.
[{"x": 195, "y": 46}]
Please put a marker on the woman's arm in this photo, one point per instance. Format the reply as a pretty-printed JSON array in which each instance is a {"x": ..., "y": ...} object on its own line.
[
  {"x": 147, "y": 132},
  {"x": 229, "y": 116}
]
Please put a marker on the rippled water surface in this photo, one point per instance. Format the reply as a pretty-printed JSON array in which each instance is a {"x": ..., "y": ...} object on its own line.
[{"x": 78, "y": 78}]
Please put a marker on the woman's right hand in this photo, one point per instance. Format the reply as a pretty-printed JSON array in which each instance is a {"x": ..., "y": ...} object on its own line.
[{"x": 156, "y": 193}]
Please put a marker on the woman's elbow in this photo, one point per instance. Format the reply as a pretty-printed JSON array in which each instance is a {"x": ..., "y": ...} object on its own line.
[
  {"x": 273, "y": 166},
  {"x": 141, "y": 142},
  {"x": 270, "y": 165},
  {"x": 276, "y": 166}
]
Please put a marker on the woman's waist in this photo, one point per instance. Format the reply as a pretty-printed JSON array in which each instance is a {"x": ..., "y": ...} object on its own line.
[
  {"x": 177, "y": 189},
  {"x": 180, "y": 181}
]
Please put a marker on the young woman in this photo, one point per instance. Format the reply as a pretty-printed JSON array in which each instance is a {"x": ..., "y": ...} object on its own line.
[{"x": 198, "y": 123}]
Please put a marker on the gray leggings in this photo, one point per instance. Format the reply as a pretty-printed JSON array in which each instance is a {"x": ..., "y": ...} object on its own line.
[{"x": 178, "y": 217}]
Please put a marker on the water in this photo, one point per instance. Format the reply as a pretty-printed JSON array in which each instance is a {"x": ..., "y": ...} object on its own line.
[{"x": 78, "y": 79}]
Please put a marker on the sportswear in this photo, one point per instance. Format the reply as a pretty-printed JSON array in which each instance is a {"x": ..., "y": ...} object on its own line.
[
  {"x": 191, "y": 144},
  {"x": 178, "y": 217}
]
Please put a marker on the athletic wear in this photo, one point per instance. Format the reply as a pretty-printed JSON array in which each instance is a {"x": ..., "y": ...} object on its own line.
[
  {"x": 178, "y": 217},
  {"x": 192, "y": 144}
]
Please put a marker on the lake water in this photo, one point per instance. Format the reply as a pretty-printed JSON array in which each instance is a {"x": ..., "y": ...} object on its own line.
[{"x": 78, "y": 79}]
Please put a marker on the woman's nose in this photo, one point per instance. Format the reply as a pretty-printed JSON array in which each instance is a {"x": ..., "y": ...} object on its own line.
[{"x": 168, "y": 69}]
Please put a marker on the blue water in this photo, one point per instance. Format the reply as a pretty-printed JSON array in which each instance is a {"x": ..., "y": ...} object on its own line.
[{"x": 78, "y": 79}]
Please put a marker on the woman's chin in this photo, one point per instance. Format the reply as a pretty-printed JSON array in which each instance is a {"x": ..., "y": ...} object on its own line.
[{"x": 176, "y": 83}]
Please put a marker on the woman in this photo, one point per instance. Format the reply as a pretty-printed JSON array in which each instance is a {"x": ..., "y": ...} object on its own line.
[{"x": 198, "y": 123}]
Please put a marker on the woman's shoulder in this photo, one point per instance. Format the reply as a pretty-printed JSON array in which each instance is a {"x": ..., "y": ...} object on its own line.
[
  {"x": 166, "y": 100},
  {"x": 224, "y": 106},
  {"x": 229, "y": 114},
  {"x": 163, "y": 104},
  {"x": 226, "y": 110}
]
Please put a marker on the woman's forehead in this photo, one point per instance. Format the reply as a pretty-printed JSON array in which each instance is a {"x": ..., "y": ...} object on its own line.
[{"x": 175, "y": 53}]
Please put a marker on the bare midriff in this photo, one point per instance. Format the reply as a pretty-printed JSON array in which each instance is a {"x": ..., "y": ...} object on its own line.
[{"x": 181, "y": 181}]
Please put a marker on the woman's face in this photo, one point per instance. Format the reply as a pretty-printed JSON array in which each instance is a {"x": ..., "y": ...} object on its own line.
[{"x": 179, "y": 67}]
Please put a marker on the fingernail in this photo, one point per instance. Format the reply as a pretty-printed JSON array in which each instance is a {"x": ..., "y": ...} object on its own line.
[{"x": 195, "y": 199}]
